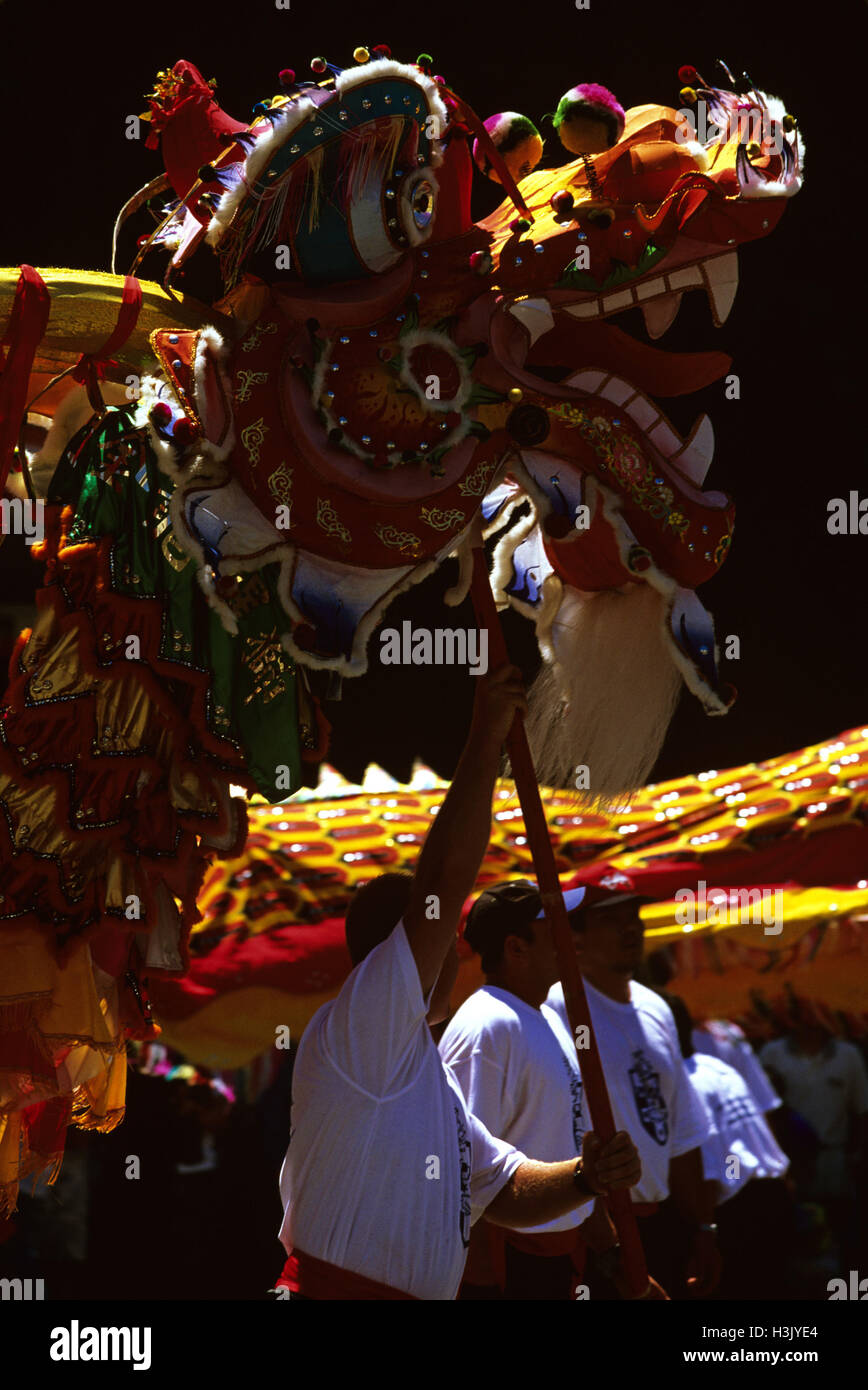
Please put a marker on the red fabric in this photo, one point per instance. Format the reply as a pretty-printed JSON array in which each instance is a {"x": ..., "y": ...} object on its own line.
[
  {"x": 486, "y": 1264},
  {"x": 27, "y": 324},
  {"x": 90, "y": 367},
  {"x": 192, "y": 127},
  {"x": 277, "y": 959},
  {"x": 318, "y": 1279},
  {"x": 46, "y": 1125}
]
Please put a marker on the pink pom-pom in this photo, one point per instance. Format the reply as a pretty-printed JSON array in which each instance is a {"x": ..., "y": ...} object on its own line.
[{"x": 595, "y": 95}]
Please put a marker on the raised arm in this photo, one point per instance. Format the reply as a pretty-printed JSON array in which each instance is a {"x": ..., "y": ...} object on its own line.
[{"x": 456, "y": 843}]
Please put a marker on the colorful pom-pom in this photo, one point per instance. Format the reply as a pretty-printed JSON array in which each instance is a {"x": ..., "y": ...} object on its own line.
[
  {"x": 517, "y": 141},
  {"x": 381, "y": 50},
  {"x": 689, "y": 94},
  {"x": 481, "y": 262},
  {"x": 160, "y": 415},
  {"x": 519, "y": 224},
  {"x": 788, "y": 122},
  {"x": 516, "y": 394},
  {"x": 286, "y": 77},
  {"x": 318, "y": 65},
  {"x": 185, "y": 431},
  {"x": 361, "y": 55},
  {"x": 207, "y": 173},
  {"x": 687, "y": 74},
  {"x": 579, "y": 110}
]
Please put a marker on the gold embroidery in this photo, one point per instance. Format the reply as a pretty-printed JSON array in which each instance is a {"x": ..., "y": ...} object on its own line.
[
  {"x": 246, "y": 381},
  {"x": 251, "y": 593},
  {"x": 398, "y": 540},
  {"x": 176, "y": 557},
  {"x": 280, "y": 483},
  {"x": 255, "y": 336},
  {"x": 253, "y": 438},
  {"x": 440, "y": 520},
  {"x": 264, "y": 658},
  {"x": 474, "y": 484},
  {"x": 328, "y": 519}
]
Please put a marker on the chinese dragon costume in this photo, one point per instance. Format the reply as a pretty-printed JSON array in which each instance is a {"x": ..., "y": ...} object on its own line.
[{"x": 234, "y": 492}]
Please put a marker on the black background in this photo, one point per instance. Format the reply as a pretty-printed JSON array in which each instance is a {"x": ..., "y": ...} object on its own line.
[{"x": 792, "y": 593}]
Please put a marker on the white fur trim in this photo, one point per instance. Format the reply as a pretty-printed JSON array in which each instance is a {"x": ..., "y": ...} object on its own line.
[
  {"x": 357, "y": 663},
  {"x": 210, "y": 344},
  {"x": 424, "y": 337},
  {"x": 298, "y": 111},
  {"x": 700, "y": 154}
]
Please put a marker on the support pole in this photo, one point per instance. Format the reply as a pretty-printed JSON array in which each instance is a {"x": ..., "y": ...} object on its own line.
[{"x": 593, "y": 1080}]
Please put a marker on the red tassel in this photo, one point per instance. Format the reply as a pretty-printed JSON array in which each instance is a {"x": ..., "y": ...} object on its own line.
[
  {"x": 90, "y": 367},
  {"x": 24, "y": 332}
]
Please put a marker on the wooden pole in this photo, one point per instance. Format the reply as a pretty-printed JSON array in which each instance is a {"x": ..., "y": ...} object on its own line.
[{"x": 593, "y": 1080}]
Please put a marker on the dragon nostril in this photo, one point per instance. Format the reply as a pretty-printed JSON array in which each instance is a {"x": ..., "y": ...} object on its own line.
[{"x": 600, "y": 217}]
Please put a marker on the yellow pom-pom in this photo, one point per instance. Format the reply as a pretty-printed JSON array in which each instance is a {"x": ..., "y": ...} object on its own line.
[
  {"x": 361, "y": 55},
  {"x": 789, "y": 122},
  {"x": 688, "y": 94},
  {"x": 753, "y": 150},
  {"x": 516, "y": 394}
]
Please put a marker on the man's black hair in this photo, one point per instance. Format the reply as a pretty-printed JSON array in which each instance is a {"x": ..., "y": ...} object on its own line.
[
  {"x": 375, "y": 911},
  {"x": 683, "y": 1022}
]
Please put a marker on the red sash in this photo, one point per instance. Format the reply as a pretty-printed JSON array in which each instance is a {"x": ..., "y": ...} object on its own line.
[{"x": 317, "y": 1279}]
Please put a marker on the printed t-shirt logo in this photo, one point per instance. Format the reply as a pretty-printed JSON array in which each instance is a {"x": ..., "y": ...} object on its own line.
[
  {"x": 576, "y": 1100},
  {"x": 650, "y": 1104},
  {"x": 464, "y": 1168}
]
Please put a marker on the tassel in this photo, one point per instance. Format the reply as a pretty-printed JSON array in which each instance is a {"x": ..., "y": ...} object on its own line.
[{"x": 24, "y": 332}]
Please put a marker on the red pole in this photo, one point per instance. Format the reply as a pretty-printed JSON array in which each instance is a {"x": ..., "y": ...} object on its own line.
[{"x": 578, "y": 1013}]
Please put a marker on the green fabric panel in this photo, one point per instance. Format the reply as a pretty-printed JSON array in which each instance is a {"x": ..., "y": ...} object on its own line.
[{"x": 117, "y": 489}]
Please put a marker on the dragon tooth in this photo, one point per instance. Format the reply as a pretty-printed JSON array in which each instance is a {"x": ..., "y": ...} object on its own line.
[
  {"x": 622, "y": 299},
  {"x": 617, "y": 391},
  {"x": 535, "y": 315},
  {"x": 660, "y": 314},
  {"x": 689, "y": 277},
  {"x": 649, "y": 289},
  {"x": 643, "y": 411},
  {"x": 587, "y": 380},
  {"x": 588, "y": 309},
  {"x": 694, "y": 459},
  {"x": 664, "y": 438},
  {"x": 721, "y": 282}
]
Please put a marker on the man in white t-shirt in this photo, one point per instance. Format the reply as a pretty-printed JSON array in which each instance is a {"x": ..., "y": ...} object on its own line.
[
  {"x": 387, "y": 1169},
  {"x": 744, "y": 1166},
  {"x": 649, "y": 1089},
  {"x": 823, "y": 1079},
  {"x": 519, "y": 1075},
  {"x": 724, "y": 1040}
]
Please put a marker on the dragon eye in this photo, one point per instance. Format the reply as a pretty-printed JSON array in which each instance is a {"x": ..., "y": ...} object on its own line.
[
  {"x": 422, "y": 204},
  {"x": 418, "y": 201}
]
